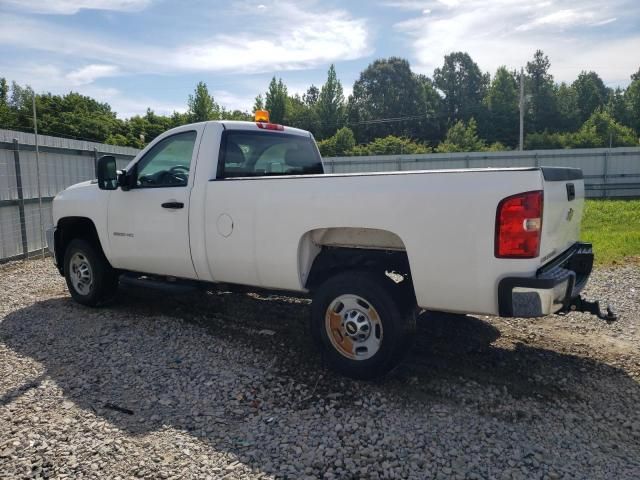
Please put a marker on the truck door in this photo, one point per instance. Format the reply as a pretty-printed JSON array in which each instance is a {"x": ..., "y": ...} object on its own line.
[{"x": 149, "y": 224}]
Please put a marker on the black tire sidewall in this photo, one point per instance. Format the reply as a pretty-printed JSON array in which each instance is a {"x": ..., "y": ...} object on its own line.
[
  {"x": 104, "y": 282},
  {"x": 397, "y": 323}
]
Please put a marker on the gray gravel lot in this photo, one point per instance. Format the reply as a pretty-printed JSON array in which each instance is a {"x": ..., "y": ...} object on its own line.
[{"x": 221, "y": 385}]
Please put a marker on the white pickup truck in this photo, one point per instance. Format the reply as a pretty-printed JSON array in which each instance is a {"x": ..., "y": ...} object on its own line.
[{"x": 248, "y": 203}]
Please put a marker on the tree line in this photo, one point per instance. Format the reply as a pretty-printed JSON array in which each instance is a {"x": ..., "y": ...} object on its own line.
[{"x": 391, "y": 110}]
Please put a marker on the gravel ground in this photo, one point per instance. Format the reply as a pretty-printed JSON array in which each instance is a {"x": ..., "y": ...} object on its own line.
[{"x": 222, "y": 385}]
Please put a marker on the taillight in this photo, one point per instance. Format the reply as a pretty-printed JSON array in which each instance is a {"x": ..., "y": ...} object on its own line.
[
  {"x": 270, "y": 126},
  {"x": 519, "y": 225}
]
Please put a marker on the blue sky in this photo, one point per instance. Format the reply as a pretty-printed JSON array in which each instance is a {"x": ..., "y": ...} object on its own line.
[{"x": 136, "y": 54}]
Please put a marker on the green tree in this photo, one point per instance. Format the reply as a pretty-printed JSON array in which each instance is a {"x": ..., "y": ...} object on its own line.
[
  {"x": 142, "y": 129},
  {"x": 4, "y": 91},
  {"x": 118, "y": 139},
  {"x": 75, "y": 115},
  {"x": 301, "y": 115},
  {"x": 432, "y": 126},
  {"x": 311, "y": 96},
  {"x": 157, "y": 124},
  {"x": 276, "y": 101},
  {"x": 340, "y": 144},
  {"x": 462, "y": 137},
  {"x": 547, "y": 140},
  {"x": 388, "y": 98},
  {"x": 542, "y": 112},
  {"x": 601, "y": 130},
  {"x": 502, "y": 104},
  {"x": 202, "y": 106},
  {"x": 463, "y": 85},
  {"x": 591, "y": 93},
  {"x": 345, "y": 140},
  {"x": 20, "y": 104},
  {"x": 390, "y": 145},
  {"x": 235, "y": 115},
  {"x": 632, "y": 100},
  {"x": 567, "y": 108},
  {"x": 178, "y": 118},
  {"x": 330, "y": 105},
  {"x": 5, "y": 111},
  {"x": 258, "y": 104},
  {"x": 617, "y": 107}
]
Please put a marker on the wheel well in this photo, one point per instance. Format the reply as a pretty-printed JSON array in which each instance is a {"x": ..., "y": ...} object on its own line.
[
  {"x": 390, "y": 264},
  {"x": 69, "y": 228}
]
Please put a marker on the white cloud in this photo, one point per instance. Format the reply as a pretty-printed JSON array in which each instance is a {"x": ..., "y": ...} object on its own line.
[
  {"x": 70, "y": 7},
  {"x": 561, "y": 18},
  {"x": 38, "y": 35},
  {"x": 280, "y": 36},
  {"x": 91, "y": 73},
  {"x": 288, "y": 37},
  {"x": 508, "y": 32},
  {"x": 127, "y": 106},
  {"x": 232, "y": 101}
]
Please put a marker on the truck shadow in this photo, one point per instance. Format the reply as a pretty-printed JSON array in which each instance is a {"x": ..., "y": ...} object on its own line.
[{"x": 229, "y": 383}]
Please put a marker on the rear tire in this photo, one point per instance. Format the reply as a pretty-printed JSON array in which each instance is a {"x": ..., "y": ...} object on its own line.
[
  {"x": 364, "y": 325},
  {"x": 90, "y": 278}
]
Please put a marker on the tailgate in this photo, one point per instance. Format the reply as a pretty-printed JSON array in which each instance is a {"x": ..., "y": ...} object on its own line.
[{"x": 562, "y": 210}]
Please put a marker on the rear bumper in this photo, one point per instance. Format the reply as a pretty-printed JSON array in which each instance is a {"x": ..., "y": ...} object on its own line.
[{"x": 553, "y": 288}]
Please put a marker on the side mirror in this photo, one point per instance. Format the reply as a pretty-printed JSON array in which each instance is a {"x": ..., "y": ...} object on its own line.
[{"x": 107, "y": 173}]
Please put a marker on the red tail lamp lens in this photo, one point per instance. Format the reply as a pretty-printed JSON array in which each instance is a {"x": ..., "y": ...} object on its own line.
[{"x": 519, "y": 226}]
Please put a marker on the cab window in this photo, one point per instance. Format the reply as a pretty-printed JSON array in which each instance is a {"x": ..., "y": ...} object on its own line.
[
  {"x": 168, "y": 162},
  {"x": 260, "y": 154}
]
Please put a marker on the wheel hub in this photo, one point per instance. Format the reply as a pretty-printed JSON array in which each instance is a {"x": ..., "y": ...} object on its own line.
[
  {"x": 353, "y": 327},
  {"x": 357, "y": 325},
  {"x": 81, "y": 274}
]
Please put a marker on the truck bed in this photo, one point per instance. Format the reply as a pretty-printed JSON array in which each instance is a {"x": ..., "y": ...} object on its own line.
[{"x": 444, "y": 219}]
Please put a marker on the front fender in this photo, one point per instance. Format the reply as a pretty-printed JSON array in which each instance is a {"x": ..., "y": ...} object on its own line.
[{"x": 82, "y": 201}]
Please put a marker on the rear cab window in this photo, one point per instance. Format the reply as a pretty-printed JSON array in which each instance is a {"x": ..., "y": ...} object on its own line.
[{"x": 246, "y": 153}]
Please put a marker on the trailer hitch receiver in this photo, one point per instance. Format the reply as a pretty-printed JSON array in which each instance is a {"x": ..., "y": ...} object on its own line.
[{"x": 579, "y": 304}]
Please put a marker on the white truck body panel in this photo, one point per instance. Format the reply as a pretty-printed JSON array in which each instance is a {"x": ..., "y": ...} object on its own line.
[
  {"x": 561, "y": 219},
  {"x": 446, "y": 233},
  {"x": 266, "y": 231},
  {"x": 147, "y": 238}
]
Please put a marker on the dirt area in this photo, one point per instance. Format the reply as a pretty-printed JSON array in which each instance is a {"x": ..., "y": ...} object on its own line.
[{"x": 212, "y": 384}]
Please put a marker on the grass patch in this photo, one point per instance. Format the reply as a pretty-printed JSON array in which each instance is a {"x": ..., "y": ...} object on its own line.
[{"x": 613, "y": 227}]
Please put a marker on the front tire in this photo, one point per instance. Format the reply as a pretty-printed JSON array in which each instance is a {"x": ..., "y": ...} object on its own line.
[
  {"x": 90, "y": 278},
  {"x": 361, "y": 324}
]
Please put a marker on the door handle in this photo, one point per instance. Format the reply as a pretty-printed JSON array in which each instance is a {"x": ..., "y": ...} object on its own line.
[{"x": 174, "y": 205}]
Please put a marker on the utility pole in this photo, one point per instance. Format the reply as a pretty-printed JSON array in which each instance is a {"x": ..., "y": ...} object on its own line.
[
  {"x": 35, "y": 129},
  {"x": 521, "y": 144}
]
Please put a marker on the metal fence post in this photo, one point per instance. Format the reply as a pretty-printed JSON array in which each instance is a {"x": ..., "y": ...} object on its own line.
[
  {"x": 605, "y": 173},
  {"x": 467, "y": 161},
  {"x": 23, "y": 225},
  {"x": 95, "y": 161}
]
